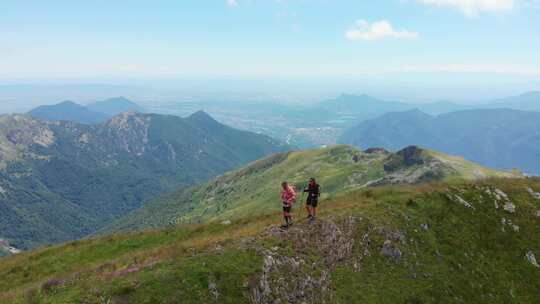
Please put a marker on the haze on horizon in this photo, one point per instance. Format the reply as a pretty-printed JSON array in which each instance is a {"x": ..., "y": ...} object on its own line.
[{"x": 267, "y": 50}]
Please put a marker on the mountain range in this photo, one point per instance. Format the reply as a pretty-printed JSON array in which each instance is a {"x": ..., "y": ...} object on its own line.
[
  {"x": 365, "y": 107},
  {"x": 62, "y": 180},
  {"x": 415, "y": 226},
  {"x": 146, "y": 218},
  {"x": 498, "y": 138},
  {"x": 93, "y": 113},
  {"x": 252, "y": 189}
]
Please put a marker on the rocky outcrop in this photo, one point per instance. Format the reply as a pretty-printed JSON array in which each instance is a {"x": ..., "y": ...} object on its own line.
[
  {"x": 302, "y": 275},
  {"x": 410, "y": 156},
  {"x": 531, "y": 258},
  {"x": 302, "y": 278},
  {"x": 6, "y": 247},
  {"x": 533, "y": 193}
]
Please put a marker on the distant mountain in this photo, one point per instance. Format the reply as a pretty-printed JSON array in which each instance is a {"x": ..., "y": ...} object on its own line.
[
  {"x": 61, "y": 180},
  {"x": 251, "y": 191},
  {"x": 529, "y": 101},
  {"x": 365, "y": 107},
  {"x": 498, "y": 138},
  {"x": 115, "y": 106},
  {"x": 361, "y": 107},
  {"x": 68, "y": 111}
]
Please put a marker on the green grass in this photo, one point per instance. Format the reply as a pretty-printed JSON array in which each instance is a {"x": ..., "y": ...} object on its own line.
[
  {"x": 464, "y": 256},
  {"x": 255, "y": 189}
]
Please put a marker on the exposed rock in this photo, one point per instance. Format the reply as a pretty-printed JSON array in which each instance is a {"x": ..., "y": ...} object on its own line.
[
  {"x": 529, "y": 256},
  {"x": 424, "y": 226},
  {"x": 500, "y": 194},
  {"x": 226, "y": 222},
  {"x": 389, "y": 250},
  {"x": 509, "y": 223},
  {"x": 533, "y": 193},
  {"x": 509, "y": 207},
  {"x": 5, "y": 246},
  {"x": 299, "y": 279},
  {"x": 376, "y": 150},
  {"x": 459, "y": 199},
  {"x": 537, "y": 213},
  {"x": 212, "y": 287}
]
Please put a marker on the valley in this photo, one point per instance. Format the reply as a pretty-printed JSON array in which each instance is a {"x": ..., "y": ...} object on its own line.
[
  {"x": 270, "y": 152},
  {"x": 62, "y": 180}
]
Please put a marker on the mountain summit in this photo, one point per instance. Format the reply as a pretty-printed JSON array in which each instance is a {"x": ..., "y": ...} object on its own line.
[
  {"x": 115, "y": 106},
  {"x": 68, "y": 111}
]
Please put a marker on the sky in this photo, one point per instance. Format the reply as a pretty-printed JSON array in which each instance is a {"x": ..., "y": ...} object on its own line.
[{"x": 408, "y": 46}]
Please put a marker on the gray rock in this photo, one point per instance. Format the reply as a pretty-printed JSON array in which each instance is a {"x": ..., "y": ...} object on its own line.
[
  {"x": 537, "y": 213},
  {"x": 500, "y": 194},
  {"x": 424, "y": 226},
  {"x": 529, "y": 256},
  {"x": 212, "y": 287},
  {"x": 460, "y": 200},
  {"x": 509, "y": 207},
  {"x": 533, "y": 193},
  {"x": 389, "y": 250}
]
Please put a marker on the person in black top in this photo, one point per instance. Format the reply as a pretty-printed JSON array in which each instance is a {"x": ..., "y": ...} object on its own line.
[{"x": 314, "y": 192}]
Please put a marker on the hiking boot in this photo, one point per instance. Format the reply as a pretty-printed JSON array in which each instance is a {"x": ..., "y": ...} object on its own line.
[
  {"x": 312, "y": 218},
  {"x": 309, "y": 216},
  {"x": 284, "y": 226}
]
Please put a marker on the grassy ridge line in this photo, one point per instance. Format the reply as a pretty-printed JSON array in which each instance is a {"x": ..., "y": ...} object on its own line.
[
  {"x": 179, "y": 258},
  {"x": 255, "y": 189}
]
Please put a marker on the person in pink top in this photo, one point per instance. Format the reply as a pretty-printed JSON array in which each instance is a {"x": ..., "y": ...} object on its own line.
[{"x": 288, "y": 197}]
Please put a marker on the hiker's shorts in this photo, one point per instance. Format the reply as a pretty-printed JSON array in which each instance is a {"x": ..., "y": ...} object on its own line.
[
  {"x": 286, "y": 209},
  {"x": 312, "y": 201}
]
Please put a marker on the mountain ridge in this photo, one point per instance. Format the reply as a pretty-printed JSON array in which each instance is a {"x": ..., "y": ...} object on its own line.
[
  {"x": 499, "y": 138},
  {"x": 114, "y": 106},
  {"x": 68, "y": 111},
  {"x": 251, "y": 189},
  {"x": 434, "y": 243},
  {"x": 63, "y": 180}
]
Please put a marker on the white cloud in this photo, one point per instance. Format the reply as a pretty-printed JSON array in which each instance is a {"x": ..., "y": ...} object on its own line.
[
  {"x": 474, "y": 7},
  {"x": 232, "y": 3},
  {"x": 364, "y": 30}
]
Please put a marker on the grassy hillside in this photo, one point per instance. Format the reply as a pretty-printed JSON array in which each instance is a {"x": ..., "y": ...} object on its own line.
[
  {"x": 458, "y": 242},
  {"x": 255, "y": 189},
  {"x": 61, "y": 181}
]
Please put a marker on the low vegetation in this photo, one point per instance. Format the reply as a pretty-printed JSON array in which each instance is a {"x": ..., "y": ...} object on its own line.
[
  {"x": 453, "y": 242},
  {"x": 255, "y": 188}
]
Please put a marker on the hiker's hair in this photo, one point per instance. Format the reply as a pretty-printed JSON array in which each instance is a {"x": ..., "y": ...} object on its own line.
[
  {"x": 283, "y": 184},
  {"x": 312, "y": 179}
]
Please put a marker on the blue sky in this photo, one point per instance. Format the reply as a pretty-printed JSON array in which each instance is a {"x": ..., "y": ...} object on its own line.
[{"x": 423, "y": 41}]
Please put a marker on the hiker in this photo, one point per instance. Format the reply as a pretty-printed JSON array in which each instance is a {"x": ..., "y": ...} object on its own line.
[
  {"x": 314, "y": 192},
  {"x": 288, "y": 197}
]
